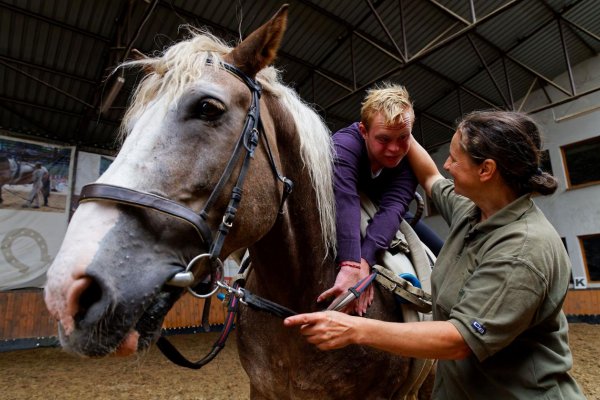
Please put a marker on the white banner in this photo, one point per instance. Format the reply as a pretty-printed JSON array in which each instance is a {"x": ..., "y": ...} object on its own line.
[{"x": 35, "y": 193}]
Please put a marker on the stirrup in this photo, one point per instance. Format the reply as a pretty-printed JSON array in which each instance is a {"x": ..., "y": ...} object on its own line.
[{"x": 417, "y": 297}]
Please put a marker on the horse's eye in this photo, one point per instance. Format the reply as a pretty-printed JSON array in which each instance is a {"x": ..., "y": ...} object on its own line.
[{"x": 209, "y": 109}]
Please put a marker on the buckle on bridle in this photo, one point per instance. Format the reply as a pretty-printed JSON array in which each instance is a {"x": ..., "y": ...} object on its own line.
[{"x": 186, "y": 278}]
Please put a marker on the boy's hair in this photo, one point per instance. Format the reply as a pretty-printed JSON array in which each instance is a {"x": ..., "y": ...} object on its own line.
[{"x": 388, "y": 99}]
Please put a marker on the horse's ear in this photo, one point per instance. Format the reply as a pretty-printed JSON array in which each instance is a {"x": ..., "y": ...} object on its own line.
[{"x": 260, "y": 48}]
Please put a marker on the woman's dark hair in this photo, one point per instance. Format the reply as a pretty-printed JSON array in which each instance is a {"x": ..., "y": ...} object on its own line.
[{"x": 512, "y": 140}]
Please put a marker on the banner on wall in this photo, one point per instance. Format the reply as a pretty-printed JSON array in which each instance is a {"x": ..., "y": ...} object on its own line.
[
  {"x": 89, "y": 168},
  {"x": 35, "y": 191}
]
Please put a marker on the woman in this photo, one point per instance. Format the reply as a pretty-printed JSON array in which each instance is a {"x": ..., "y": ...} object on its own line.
[{"x": 499, "y": 282}]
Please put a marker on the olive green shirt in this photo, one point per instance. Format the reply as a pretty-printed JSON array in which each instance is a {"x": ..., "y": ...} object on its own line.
[{"x": 502, "y": 283}]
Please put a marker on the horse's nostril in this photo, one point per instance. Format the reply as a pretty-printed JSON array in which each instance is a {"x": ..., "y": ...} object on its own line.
[
  {"x": 83, "y": 293},
  {"x": 90, "y": 296}
]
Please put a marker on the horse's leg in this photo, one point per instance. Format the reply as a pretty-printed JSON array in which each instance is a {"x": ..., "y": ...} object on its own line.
[{"x": 1, "y": 201}]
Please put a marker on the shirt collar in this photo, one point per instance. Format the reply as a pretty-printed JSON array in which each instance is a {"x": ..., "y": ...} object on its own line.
[
  {"x": 510, "y": 213},
  {"x": 376, "y": 173}
]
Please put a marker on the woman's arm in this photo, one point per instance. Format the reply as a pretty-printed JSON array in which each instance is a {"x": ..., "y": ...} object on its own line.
[
  {"x": 430, "y": 339},
  {"x": 423, "y": 166}
]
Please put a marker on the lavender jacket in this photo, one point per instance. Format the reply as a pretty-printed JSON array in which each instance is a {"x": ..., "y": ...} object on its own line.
[{"x": 392, "y": 190}]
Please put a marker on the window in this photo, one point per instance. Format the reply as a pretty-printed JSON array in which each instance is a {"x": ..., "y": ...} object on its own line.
[
  {"x": 582, "y": 162},
  {"x": 564, "y": 242},
  {"x": 590, "y": 246}
]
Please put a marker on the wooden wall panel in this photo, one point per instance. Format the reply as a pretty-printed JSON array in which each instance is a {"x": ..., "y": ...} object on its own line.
[
  {"x": 582, "y": 302},
  {"x": 23, "y": 313}
]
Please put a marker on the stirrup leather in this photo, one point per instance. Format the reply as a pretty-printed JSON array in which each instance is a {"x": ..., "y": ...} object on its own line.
[{"x": 417, "y": 297}]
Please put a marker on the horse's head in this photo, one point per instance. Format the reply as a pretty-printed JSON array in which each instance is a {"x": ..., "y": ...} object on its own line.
[{"x": 169, "y": 192}]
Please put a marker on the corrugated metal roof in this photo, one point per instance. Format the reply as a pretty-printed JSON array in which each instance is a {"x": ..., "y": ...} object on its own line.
[{"x": 55, "y": 55}]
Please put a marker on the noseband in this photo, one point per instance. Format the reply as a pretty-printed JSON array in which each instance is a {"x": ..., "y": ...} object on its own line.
[{"x": 247, "y": 141}]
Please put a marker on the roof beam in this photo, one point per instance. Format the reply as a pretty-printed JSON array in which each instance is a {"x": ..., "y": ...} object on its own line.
[
  {"x": 488, "y": 70},
  {"x": 514, "y": 60},
  {"x": 453, "y": 14},
  {"x": 49, "y": 70},
  {"x": 147, "y": 14},
  {"x": 566, "y": 55},
  {"x": 563, "y": 101},
  {"x": 56, "y": 89},
  {"x": 281, "y": 54},
  {"x": 560, "y": 17},
  {"x": 385, "y": 29},
  {"x": 431, "y": 48},
  {"x": 457, "y": 85},
  {"x": 425, "y": 52},
  {"x": 55, "y": 110},
  {"x": 581, "y": 28},
  {"x": 53, "y": 22},
  {"x": 29, "y": 121}
]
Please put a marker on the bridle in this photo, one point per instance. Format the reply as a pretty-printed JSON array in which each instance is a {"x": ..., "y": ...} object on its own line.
[{"x": 247, "y": 143}]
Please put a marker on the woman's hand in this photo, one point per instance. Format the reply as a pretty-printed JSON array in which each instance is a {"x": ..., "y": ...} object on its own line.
[{"x": 327, "y": 330}]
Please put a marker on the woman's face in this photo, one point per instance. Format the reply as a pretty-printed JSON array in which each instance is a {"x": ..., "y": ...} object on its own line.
[{"x": 463, "y": 169}]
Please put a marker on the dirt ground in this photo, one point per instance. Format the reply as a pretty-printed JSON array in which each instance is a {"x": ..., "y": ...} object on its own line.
[
  {"x": 49, "y": 373},
  {"x": 15, "y": 196}
]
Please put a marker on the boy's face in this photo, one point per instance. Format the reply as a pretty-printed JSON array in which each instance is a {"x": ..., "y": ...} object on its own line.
[{"x": 387, "y": 144}]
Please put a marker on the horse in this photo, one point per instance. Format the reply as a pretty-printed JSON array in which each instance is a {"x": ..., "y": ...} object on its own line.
[
  {"x": 13, "y": 172},
  {"x": 177, "y": 189}
]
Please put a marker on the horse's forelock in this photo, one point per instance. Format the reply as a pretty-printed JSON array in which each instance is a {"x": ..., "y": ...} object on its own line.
[
  {"x": 182, "y": 64},
  {"x": 171, "y": 72}
]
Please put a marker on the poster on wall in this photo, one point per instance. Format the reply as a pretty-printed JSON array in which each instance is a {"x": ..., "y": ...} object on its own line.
[
  {"x": 89, "y": 168},
  {"x": 35, "y": 189}
]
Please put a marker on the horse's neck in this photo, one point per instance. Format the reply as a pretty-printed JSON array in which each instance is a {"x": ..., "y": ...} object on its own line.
[
  {"x": 292, "y": 261},
  {"x": 292, "y": 264}
]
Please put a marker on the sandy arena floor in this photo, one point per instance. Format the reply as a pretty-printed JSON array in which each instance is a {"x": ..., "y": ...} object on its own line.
[{"x": 49, "y": 373}]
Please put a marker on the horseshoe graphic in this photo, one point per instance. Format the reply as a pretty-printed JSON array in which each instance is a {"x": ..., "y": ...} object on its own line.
[{"x": 6, "y": 247}]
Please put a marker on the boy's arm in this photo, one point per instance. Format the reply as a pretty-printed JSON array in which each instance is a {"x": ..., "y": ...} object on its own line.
[{"x": 423, "y": 166}]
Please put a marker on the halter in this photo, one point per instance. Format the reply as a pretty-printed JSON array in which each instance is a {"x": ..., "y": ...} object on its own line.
[{"x": 247, "y": 142}]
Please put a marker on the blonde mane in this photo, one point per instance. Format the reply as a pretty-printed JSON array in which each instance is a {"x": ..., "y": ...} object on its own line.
[{"x": 182, "y": 64}]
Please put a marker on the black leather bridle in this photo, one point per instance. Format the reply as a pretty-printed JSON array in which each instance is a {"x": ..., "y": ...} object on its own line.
[{"x": 247, "y": 142}]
